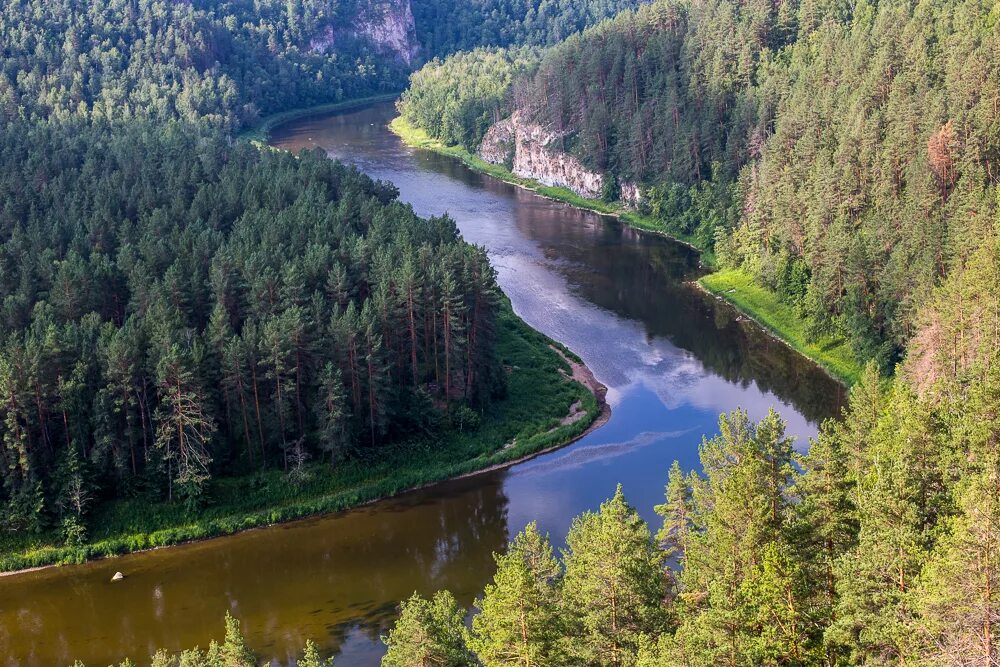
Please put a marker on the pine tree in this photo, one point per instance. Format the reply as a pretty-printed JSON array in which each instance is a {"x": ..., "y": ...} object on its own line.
[
  {"x": 311, "y": 657},
  {"x": 429, "y": 633},
  {"x": 233, "y": 652},
  {"x": 677, "y": 513},
  {"x": 827, "y": 520},
  {"x": 958, "y": 598},
  {"x": 613, "y": 586},
  {"x": 518, "y": 620},
  {"x": 184, "y": 425},
  {"x": 743, "y": 597},
  {"x": 333, "y": 413}
]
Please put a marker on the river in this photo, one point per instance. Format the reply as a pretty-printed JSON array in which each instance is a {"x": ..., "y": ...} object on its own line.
[{"x": 672, "y": 358}]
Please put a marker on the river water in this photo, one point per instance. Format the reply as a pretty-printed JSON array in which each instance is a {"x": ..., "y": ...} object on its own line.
[{"x": 672, "y": 358}]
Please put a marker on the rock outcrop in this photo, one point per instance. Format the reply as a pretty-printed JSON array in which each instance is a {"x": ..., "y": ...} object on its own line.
[
  {"x": 630, "y": 194},
  {"x": 386, "y": 24},
  {"x": 527, "y": 149}
]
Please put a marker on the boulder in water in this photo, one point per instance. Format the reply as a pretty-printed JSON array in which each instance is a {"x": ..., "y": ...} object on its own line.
[{"x": 118, "y": 576}]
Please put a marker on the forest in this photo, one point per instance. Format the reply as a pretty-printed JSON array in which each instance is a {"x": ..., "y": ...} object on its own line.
[
  {"x": 177, "y": 307},
  {"x": 449, "y": 26},
  {"x": 229, "y": 63},
  {"x": 218, "y": 63},
  {"x": 877, "y": 546},
  {"x": 844, "y": 156}
]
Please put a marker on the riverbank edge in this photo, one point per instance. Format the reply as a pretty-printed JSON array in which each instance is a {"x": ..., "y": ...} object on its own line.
[
  {"x": 414, "y": 137},
  {"x": 779, "y": 320},
  {"x": 310, "y": 507},
  {"x": 760, "y": 304},
  {"x": 597, "y": 411}
]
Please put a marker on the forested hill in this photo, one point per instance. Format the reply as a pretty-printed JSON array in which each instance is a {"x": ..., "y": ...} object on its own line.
[
  {"x": 847, "y": 156},
  {"x": 228, "y": 63},
  {"x": 203, "y": 61},
  {"x": 176, "y": 307}
]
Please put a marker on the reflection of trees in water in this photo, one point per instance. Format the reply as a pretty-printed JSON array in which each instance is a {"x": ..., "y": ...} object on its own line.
[
  {"x": 642, "y": 277},
  {"x": 462, "y": 523}
]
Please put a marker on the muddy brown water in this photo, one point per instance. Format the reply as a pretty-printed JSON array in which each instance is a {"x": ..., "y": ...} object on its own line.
[{"x": 672, "y": 359}]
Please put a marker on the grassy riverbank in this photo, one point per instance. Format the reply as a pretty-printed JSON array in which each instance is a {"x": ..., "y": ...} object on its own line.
[
  {"x": 759, "y": 303},
  {"x": 780, "y": 318},
  {"x": 531, "y": 417},
  {"x": 415, "y": 137}
]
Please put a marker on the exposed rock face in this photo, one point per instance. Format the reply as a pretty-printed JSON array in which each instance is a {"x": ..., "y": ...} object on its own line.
[
  {"x": 630, "y": 194},
  {"x": 527, "y": 149},
  {"x": 387, "y": 24}
]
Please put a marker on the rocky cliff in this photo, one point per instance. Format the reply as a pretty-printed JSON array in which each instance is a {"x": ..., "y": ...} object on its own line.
[
  {"x": 528, "y": 150},
  {"x": 386, "y": 24}
]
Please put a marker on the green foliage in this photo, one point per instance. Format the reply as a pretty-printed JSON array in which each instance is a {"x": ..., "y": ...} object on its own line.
[
  {"x": 518, "y": 621},
  {"x": 457, "y": 100},
  {"x": 842, "y": 157},
  {"x": 232, "y": 652},
  {"x": 613, "y": 585},
  {"x": 879, "y": 546},
  {"x": 218, "y": 63},
  {"x": 538, "y": 396},
  {"x": 239, "y": 310},
  {"x": 446, "y": 26},
  {"x": 311, "y": 657},
  {"x": 428, "y": 632}
]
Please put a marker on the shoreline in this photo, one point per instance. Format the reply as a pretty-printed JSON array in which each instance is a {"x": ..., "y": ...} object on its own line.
[
  {"x": 336, "y": 502},
  {"x": 844, "y": 371},
  {"x": 831, "y": 356},
  {"x": 260, "y": 132},
  {"x": 597, "y": 389},
  {"x": 417, "y": 138}
]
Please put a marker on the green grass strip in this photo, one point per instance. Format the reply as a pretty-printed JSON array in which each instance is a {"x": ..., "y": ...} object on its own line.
[{"x": 781, "y": 319}]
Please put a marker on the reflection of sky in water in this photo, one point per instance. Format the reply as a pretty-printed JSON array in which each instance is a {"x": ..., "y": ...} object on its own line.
[
  {"x": 672, "y": 363},
  {"x": 663, "y": 398}
]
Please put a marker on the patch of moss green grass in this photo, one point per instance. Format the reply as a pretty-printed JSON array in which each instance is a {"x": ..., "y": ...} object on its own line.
[{"x": 782, "y": 320}]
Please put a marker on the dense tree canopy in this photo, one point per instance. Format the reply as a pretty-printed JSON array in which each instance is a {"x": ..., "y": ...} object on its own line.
[
  {"x": 457, "y": 99},
  {"x": 447, "y": 26},
  {"x": 227, "y": 63},
  {"x": 846, "y": 156},
  {"x": 175, "y": 306},
  {"x": 218, "y": 62}
]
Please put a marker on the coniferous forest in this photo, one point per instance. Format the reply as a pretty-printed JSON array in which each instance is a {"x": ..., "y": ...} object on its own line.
[
  {"x": 178, "y": 307},
  {"x": 181, "y": 309},
  {"x": 844, "y": 156},
  {"x": 182, "y": 305}
]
